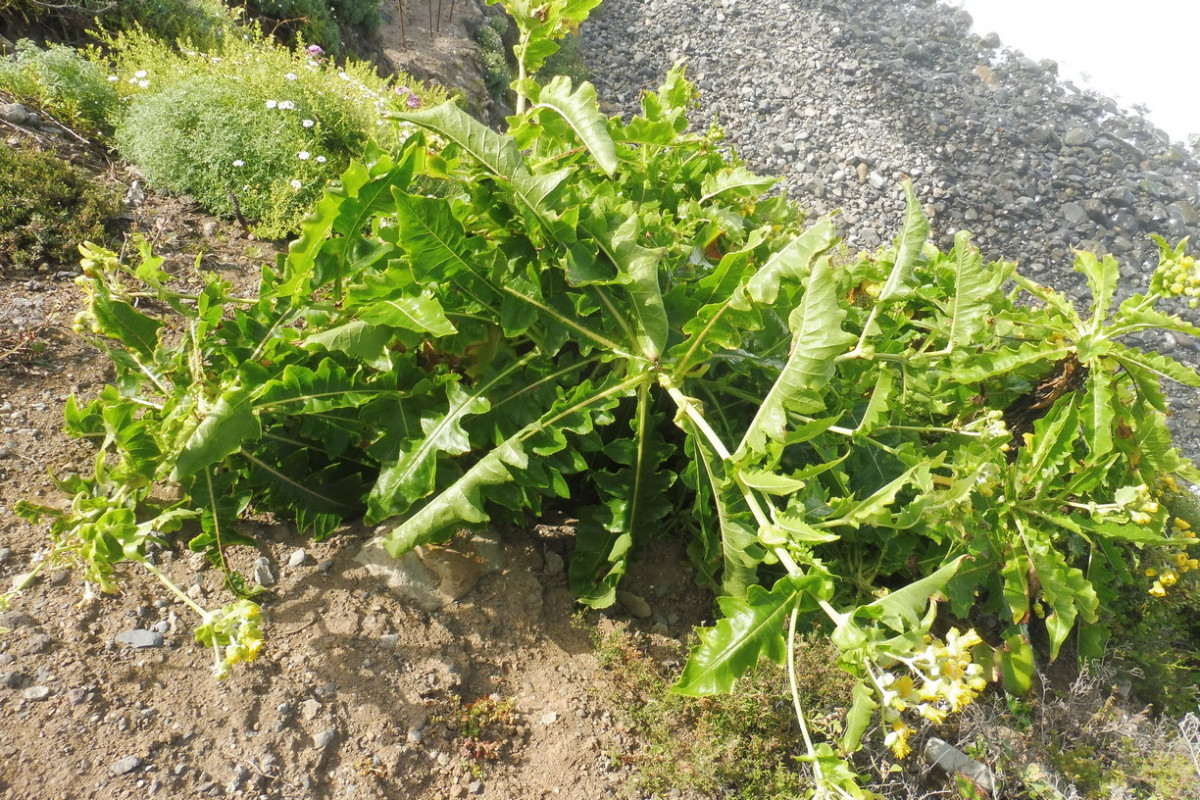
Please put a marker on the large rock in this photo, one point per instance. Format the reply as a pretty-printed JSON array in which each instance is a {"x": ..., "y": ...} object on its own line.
[{"x": 433, "y": 576}]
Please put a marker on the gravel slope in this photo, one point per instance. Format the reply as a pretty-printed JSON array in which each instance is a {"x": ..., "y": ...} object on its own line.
[{"x": 843, "y": 98}]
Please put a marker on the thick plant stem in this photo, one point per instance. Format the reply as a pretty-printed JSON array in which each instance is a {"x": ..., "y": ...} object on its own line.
[
  {"x": 520, "y": 50},
  {"x": 795, "y": 687},
  {"x": 688, "y": 407}
]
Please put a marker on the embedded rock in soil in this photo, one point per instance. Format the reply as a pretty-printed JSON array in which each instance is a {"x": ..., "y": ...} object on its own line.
[{"x": 432, "y": 575}]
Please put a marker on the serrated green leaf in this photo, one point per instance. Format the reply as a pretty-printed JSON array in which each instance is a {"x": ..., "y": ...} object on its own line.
[
  {"x": 1065, "y": 589},
  {"x": 412, "y": 475},
  {"x": 1054, "y": 437},
  {"x": 1099, "y": 413},
  {"x": 902, "y": 610},
  {"x": 818, "y": 338},
  {"x": 862, "y": 711},
  {"x": 880, "y": 403},
  {"x": 495, "y": 152},
  {"x": 737, "y": 180},
  {"x": 357, "y": 338},
  {"x": 581, "y": 111},
  {"x": 1102, "y": 276},
  {"x": 301, "y": 390},
  {"x": 123, "y": 322},
  {"x": 876, "y": 509},
  {"x": 793, "y": 263},
  {"x": 988, "y": 365},
  {"x": 973, "y": 285},
  {"x": 460, "y": 503},
  {"x": 437, "y": 243},
  {"x": 1132, "y": 317},
  {"x": 1016, "y": 664},
  {"x": 767, "y": 482},
  {"x": 795, "y": 528},
  {"x": 637, "y": 267},
  {"x": 418, "y": 313},
  {"x": 909, "y": 245},
  {"x": 221, "y": 433},
  {"x": 1156, "y": 365},
  {"x": 753, "y": 628}
]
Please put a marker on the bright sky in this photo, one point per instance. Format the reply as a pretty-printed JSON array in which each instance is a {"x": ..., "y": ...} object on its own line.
[{"x": 1141, "y": 52}]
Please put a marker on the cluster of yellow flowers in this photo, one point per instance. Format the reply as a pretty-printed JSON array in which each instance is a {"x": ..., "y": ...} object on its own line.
[
  {"x": 948, "y": 681},
  {"x": 235, "y": 634},
  {"x": 1177, "y": 275},
  {"x": 1180, "y": 563}
]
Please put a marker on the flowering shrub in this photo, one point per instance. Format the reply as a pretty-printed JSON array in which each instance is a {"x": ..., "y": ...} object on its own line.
[{"x": 253, "y": 121}]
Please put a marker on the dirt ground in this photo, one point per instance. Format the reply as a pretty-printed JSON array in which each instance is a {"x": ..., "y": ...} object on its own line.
[{"x": 362, "y": 692}]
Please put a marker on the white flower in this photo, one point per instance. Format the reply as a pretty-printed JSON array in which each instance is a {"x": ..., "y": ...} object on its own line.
[
  {"x": 112, "y": 79},
  {"x": 141, "y": 73},
  {"x": 320, "y": 159},
  {"x": 291, "y": 76},
  {"x": 237, "y": 162},
  {"x": 286, "y": 105},
  {"x": 302, "y": 155},
  {"x": 343, "y": 76},
  {"x": 296, "y": 184},
  {"x": 308, "y": 123},
  {"x": 143, "y": 84},
  {"x": 272, "y": 103}
]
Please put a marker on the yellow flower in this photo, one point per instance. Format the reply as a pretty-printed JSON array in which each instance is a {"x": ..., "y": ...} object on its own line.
[
  {"x": 897, "y": 739},
  {"x": 1151, "y": 572},
  {"x": 1157, "y": 590},
  {"x": 1181, "y": 524},
  {"x": 933, "y": 713},
  {"x": 1168, "y": 577}
]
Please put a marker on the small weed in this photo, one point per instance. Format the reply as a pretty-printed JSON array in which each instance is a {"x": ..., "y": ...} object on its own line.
[
  {"x": 253, "y": 121},
  {"x": 484, "y": 729}
]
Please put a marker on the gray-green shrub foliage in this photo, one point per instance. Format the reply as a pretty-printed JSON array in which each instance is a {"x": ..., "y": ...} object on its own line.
[{"x": 62, "y": 81}]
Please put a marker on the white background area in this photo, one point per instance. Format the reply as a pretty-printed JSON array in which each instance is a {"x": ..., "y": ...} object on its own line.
[{"x": 1139, "y": 52}]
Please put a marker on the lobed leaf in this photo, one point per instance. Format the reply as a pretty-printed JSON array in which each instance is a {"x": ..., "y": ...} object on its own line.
[
  {"x": 752, "y": 628},
  {"x": 581, "y": 111},
  {"x": 818, "y": 338}
]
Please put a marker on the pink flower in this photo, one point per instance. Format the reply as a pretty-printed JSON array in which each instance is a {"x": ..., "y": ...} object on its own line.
[{"x": 314, "y": 50}]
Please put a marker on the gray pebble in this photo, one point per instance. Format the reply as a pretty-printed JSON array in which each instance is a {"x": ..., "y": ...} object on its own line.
[
  {"x": 125, "y": 765},
  {"x": 262, "y": 572},
  {"x": 633, "y": 605},
  {"x": 325, "y": 738},
  {"x": 139, "y": 637},
  {"x": 299, "y": 558},
  {"x": 17, "y": 619},
  {"x": 36, "y": 693}
]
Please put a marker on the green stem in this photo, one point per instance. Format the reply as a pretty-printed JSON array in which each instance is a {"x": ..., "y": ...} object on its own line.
[
  {"x": 521, "y": 48},
  {"x": 189, "y": 602},
  {"x": 795, "y": 687},
  {"x": 685, "y": 404}
]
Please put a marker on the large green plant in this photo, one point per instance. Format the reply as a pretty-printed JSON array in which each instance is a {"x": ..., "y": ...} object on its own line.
[{"x": 612, "y": 316}]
